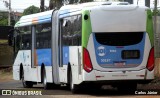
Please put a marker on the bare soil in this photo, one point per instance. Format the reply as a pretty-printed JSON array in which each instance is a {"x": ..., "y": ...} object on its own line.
[{"x": 6, "y": 74}]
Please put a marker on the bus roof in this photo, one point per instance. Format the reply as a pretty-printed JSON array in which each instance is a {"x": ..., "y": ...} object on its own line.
[
  {"x": 64, "y": 11},
  {"x": 45, "y": 17},
  {"x": 37, "y": 18}
]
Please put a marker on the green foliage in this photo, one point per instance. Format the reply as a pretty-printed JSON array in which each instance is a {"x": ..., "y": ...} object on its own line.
[
  {"x": 4, "y": 22},
  {"x": 3, "y": 19},
  {"x": 31, "y": 10}
]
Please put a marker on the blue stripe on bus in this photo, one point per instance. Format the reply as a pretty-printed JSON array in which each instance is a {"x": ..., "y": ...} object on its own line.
[
  {"x": 65, "y": 13},
  {"x": 65, "y": 55},
  {"x": 44, "y": 56},
  {"x": 44, "y": 19},
  {"x": 115, "y": 55}
]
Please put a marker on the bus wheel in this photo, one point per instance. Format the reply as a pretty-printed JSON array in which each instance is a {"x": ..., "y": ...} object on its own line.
[
  {"x": 26, "y": 84},
  {"x": 73, "y": 87},
  {"x": 45, "y": 84}
]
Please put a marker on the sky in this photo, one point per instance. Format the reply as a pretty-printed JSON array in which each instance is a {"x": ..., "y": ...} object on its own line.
[{"x": 20, "y": 5}]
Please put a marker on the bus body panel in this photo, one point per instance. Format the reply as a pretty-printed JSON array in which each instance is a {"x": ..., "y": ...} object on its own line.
[
  {"x": 136, "y": 73},
  {"x": 72, "y": 56},
  {"x": 30, "y": 73},
  {"x": 110, "y": 20},
  {"x": 23, "y": 57},
  {"x": 96, "y": 66},
  {"x": 118, "y": 20},
  {"x": 49, "y": 76},
  {"x": 16, "y": 72},
  {"x": 109, "y": 56},
  {"x": 96, "y": 75},
  {"x": 76, "y": 64}
]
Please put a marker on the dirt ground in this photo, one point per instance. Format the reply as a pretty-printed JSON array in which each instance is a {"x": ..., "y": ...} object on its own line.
[
  {"x": 157, "y": 67},
  {"x": 6, "y": 74}
]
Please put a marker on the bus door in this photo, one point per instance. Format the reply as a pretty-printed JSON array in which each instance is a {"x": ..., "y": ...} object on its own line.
[
  {"x": 64, "y": 37},
  {"x": 61, "y": 47}
]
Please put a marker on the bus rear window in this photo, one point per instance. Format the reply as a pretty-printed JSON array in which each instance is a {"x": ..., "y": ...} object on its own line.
[{"x": 119, "y": 38}]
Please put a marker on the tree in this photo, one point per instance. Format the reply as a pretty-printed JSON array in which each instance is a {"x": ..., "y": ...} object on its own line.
[
  {"x": 31, "y": 10},
  {"x": 3, "y": 18},
  {"x": 58, "y": 3}
]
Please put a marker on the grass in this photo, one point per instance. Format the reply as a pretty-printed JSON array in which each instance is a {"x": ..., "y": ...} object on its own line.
[{"x": 3, "y": 41}]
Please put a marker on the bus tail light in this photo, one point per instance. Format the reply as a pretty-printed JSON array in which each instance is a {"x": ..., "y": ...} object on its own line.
[
  {"x": 87, "y": 65},
  {"x": 150, "y": 63}
]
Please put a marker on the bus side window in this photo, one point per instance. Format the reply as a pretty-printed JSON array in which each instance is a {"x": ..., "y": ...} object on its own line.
[
  {"x": 43, "y": 36},
  {"x": 71, "y": 31},
  {"x": 26, "y": 37},
  {"x": 65, "y": 32},
  {"x": 77, "y": 30},
  {"x": 23, "y": 37}
]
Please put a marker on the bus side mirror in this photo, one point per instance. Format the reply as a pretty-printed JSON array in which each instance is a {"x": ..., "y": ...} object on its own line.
[{"x": 10, "y": 38}]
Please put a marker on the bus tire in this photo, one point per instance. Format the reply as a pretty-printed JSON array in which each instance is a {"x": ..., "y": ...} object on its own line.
[
  {"x": 45, "y": 84},
  {"x": 73, "y": 87},
  {"x": 26, "y": 84}
]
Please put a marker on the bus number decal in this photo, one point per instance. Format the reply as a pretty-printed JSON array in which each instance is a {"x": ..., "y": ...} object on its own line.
[
  {"x": 105, "y": 60},
  {"x": 113, "y": 51}
]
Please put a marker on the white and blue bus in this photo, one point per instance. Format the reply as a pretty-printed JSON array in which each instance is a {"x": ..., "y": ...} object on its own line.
[{"x": 96, "y": 42}]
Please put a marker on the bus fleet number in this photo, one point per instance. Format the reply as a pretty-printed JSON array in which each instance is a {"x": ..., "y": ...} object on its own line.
[{"x": 105, "y": 60}]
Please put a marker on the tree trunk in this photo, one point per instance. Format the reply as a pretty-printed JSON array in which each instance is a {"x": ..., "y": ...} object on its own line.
[
  {"x": 42, "y": 6},
  {"x": 55, "y": 4},
  {"x": 51, "y": 4},
  {"x": 147, "y": 3}
]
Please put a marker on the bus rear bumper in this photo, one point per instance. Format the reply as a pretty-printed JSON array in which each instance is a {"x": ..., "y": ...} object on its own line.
[{"x": 96, "y": 75}]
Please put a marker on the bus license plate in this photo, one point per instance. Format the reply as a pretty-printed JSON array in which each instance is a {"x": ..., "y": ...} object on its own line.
[{"x": 130, "y": 54}]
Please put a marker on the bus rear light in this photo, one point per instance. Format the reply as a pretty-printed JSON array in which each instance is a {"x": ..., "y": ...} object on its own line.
[
  {"x": 87, "y": 61},
  {"x": 150, "y": 63}
]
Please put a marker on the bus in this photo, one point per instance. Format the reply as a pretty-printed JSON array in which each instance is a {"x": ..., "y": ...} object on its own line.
[{"x": 93, "y": 43}]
